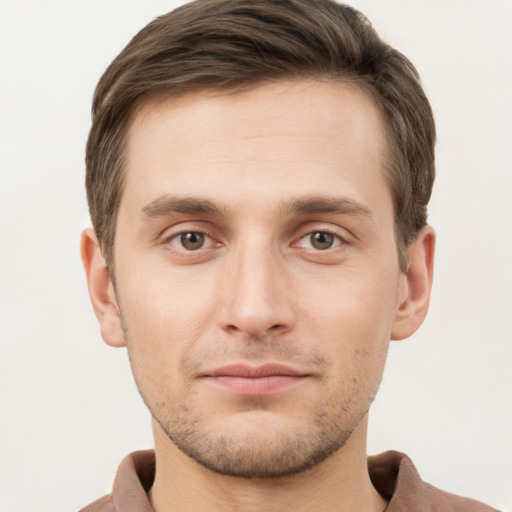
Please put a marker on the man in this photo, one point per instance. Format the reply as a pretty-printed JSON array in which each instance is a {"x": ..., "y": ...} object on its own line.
[{"x": 258, "y": 174}]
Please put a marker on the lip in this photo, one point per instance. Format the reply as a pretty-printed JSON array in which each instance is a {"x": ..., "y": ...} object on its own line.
[{"x": 243, "y": 379}]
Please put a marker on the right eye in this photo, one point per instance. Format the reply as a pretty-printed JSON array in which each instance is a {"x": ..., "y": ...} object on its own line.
[{"x": 190, "y": 240}]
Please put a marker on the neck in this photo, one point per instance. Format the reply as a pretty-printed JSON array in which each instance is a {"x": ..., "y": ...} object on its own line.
[{"x": 340, "y": 482}]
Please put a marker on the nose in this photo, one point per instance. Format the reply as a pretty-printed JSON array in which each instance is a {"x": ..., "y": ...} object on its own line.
[{"x": 256, "y": 293}]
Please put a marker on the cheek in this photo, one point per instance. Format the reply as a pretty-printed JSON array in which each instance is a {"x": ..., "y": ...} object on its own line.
[
  {"x": 168, "y": 303},
  {"x": 350, "y": 318},
  {"x": 163, "y": 317},
  {"x": 352, "y": 305}
]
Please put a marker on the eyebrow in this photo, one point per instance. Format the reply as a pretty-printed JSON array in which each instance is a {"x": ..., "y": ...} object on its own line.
[
  {"x": 168, "y": 204},
  {"x": 335, "y": 205}
]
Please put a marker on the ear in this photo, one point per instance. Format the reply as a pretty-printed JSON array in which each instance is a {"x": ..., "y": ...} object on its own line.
[
  {"x": 414, "y": 290},
  {"x": 101, "y": 290}
]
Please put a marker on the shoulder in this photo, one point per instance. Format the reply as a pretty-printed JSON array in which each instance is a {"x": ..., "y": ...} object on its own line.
[
  {"x": 104, "y": 504},
  {"x": 395, "y": 477},
  {"x": 133, "y": 480}
]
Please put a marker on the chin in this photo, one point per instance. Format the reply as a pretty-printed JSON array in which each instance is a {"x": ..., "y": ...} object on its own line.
[{"x": 259, "y": 446}]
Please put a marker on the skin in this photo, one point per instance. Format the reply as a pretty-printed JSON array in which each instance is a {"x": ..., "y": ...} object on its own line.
[{"x": 293, "y": 261}]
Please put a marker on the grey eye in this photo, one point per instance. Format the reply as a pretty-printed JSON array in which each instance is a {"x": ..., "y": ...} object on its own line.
[
  {"x": 321, "y": 240},
  {"x": 192, "y": 240}
]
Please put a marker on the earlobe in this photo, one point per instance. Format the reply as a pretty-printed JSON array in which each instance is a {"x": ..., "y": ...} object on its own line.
[
  {"x": 414, "y": 292},
  {"x": 101, "y": 290}
]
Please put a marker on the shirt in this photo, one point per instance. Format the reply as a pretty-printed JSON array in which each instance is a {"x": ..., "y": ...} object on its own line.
[{"x": 392, "y": 473}]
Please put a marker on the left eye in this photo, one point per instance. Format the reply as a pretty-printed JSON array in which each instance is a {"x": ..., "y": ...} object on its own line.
[
  {"x": 320, "y": 240},
  {"x": 191, "y": 240}
]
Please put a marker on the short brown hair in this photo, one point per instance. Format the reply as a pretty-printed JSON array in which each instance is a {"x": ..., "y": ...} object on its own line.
[{"x": 231, "y": 44}]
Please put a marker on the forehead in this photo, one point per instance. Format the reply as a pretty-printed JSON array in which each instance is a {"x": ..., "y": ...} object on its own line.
[{"x": 313, "y": 137}]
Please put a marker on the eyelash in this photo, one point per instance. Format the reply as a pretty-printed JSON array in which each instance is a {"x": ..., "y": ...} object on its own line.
[
  {"x": 168, "y": 240},
  {"x": 337, "y": 240}
]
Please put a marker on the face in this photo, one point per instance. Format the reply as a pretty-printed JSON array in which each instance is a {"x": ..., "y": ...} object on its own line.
[{"x": 256, "y": 271}]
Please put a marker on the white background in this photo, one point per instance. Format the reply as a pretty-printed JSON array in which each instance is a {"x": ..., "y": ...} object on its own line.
[{"x": 68, "y": 408}]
